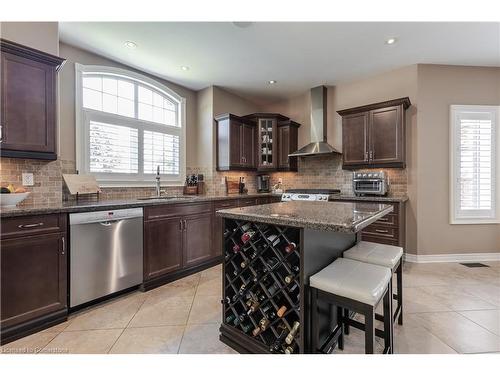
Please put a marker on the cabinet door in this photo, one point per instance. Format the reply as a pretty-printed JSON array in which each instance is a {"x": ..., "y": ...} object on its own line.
[
  {"x": 355, "y": 139},
  {"x": 267, "y": 144},
  {"x": 197, "y": 239},
  {"x": 33, "y": 277},
  {"x": 162, "y": 246},
  {"x": 386, "y": 138},
  {"x": 218, "y": 225},
  {"x": 248, "y": 145},
  {"x": 284, "y": 146},
  {"x": 235, "y": 138},
  {"x": 28, "y": 105}
]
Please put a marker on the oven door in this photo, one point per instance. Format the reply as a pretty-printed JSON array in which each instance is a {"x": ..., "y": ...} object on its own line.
[{"x": 368, "y": 186}]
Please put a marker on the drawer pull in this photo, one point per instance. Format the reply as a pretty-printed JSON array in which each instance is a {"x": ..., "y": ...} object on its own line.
[
  {"x": 381, "y": 231},
  {"x": 29, "y": 226}
]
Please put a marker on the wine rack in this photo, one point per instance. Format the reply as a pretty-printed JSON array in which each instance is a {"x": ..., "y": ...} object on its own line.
[{"x": 262, "y": 284}]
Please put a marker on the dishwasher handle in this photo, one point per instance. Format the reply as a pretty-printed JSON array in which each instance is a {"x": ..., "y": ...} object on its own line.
[{"x": 108, "y": 223}]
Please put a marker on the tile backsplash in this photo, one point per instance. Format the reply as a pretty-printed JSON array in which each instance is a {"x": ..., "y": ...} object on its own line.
[{"x": 314, "y": 172}]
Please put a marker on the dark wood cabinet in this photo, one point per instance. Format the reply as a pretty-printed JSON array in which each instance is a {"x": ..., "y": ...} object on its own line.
[
  {"x": 374, "y": 135},
  {"x": 235, "y": 143},
  {"x": 288, "y": 137},
  {"x": 28, "y": 106},
  {"x": 177, "y": 237},
  {"x": 162, "y": 246},
  {"x": 218, "y": 224},
  {"x": 197, "y": 239},
  {"x": 259, "y": 141},
  {"x": 33, "y": 274}
]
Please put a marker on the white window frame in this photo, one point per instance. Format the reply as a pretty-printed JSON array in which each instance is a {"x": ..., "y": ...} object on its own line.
[
  {"x": 83, "y": 116},
  {"x": 456, "y": 216}
]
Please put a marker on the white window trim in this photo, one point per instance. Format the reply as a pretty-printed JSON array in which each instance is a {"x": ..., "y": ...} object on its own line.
[
  {"x": 454, "y": 111},
  {"x": 82, "y": 136}
]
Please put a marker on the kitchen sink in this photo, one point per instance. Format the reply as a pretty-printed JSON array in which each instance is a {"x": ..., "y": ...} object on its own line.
[{"x": 165, "y": 197}]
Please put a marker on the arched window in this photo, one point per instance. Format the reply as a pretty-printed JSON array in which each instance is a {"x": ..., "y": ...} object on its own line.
[{"x": 128, "y": 125}]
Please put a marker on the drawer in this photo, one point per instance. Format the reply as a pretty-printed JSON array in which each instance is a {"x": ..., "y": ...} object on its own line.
[
  {"x": 381, "y": 231},
  {"x": 390, "y": 220},
  {"x": 28, "y": 225},
  {"x": 171, "y": 210},
  {"x": 230, "y": 203},
  {"x": 249, "y": 202}
]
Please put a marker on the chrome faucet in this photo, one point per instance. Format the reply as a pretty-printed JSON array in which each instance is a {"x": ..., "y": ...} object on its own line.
[{"x": 158, "y": 191}]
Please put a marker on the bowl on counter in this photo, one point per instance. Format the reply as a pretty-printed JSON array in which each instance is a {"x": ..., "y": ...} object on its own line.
[{"x": 12, "y": 199}]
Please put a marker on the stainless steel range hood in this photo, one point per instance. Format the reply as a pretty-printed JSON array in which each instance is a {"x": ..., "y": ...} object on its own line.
[{"x": 319, "y": 144}]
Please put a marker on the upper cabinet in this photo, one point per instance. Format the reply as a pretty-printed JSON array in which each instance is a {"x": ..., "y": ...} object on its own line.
[
  {"x": 374, "y": 135},
  {"x": 260, "y": 141},
  {"x": 235, "y": 143},
  {"x": 28, "y": 105}
]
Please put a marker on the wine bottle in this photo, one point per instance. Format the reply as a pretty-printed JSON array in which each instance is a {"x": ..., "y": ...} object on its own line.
[
  {"x": 230, "y": 318},
  {"x": 277, "y": 344},
  {"x": 245, "y": 227},
  {"x": 269, "y": 312},
  {"x": 289, "y": 349},
  {"x": 246, "y": 327},
  {"x": 243, "y": 264},
  {"x": 290, "y": 247},
  {"x": 293, "y": 332},
  {"x": 273, "y": 239},
  {"x": 227, "y": 233},
  {"x": 253, "y": 306},
  {"x": 256, "y": 331},
  {"x": 236, "y": 248},
  {"x": 281, "y": 311},
  {"x": 247, "y": 236},
  {"x": 271, "y": 286},
  {"x": 288, "y": 279},
  {"x": 295, "y": 269},
  {"x": 264, "y": 323}
]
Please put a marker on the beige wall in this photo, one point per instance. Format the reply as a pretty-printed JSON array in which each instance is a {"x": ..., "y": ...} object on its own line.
[
  {"x": 205, "y": 139},
  {"x": 40, "y": 35},
  {"x": 390, "y": 85},
  {"x": 67, "y": 101},
  {"x": 438, "y": 88}
]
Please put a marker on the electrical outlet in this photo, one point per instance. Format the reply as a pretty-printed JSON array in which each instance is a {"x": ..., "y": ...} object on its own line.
[
  {"x": 280, "y": 180},
  {"x": 28, "y": 179}
]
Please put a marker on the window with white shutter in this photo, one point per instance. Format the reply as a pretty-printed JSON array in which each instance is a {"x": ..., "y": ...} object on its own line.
[
  {"x": 128, "y": 126},
  {"x": 474, "y": 163}
]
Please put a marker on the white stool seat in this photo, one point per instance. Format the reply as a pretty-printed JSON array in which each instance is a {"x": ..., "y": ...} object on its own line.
[
  {"x": 352, "y": 279},
  {"x": 375, "y": 253}
]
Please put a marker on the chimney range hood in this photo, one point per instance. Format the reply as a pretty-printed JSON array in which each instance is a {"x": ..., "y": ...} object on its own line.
[{"x": 319, "y": 144}]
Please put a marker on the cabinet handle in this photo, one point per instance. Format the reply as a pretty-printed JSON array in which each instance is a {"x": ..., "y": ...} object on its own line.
[
  {"x": 63, "y": 246},
  {"x": 381, "y": 231},
  {"x": 371, "y": 154},
  {"x": 180, "y": 225},
  {"x": 185, "y": 225},
  {"x": 366, "y": 156},
  {"x": 28, "y": 226}
]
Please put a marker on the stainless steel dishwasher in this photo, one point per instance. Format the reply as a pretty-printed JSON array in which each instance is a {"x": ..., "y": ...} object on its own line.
[{"x": 105, "y": 254}]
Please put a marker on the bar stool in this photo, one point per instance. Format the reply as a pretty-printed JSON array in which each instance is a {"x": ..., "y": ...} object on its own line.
[
  {"x": 356, "y": 286},
  {"x": 382, "y": 255}
]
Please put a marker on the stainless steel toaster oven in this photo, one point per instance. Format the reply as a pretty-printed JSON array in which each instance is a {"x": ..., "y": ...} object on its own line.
[{"x": 370, "y": 183}]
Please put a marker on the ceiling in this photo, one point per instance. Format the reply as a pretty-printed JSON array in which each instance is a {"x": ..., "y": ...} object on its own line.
[{"x": 298, "y": 55}]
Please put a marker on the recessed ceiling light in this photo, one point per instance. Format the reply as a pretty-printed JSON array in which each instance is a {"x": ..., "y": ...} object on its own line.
[
  {"x": 391, "y": 41},
  {"x": 130, "y": 44},
  {"x": 184, "y": 67},
  {"x": 272, "y": 82}
]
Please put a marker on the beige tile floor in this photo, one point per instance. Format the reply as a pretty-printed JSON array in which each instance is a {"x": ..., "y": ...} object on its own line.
[{"x": 449, "y": 309}]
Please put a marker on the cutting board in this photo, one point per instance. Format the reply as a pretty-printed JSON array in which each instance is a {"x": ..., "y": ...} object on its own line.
[
  {"x": 232, "y": 185},
  {"x": 81, "y": 183}
]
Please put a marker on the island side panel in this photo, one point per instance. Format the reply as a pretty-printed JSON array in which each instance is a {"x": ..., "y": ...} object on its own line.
[
  {"x": 320, "y": 249},
  {"x": 258, "y": 252}
]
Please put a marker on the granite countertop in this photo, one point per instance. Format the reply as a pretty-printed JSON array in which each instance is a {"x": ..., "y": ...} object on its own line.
[
  {"x": 371, "y": 198},
  {"x": 327, "y": 216},
  {"x": 87, "y": 206}
]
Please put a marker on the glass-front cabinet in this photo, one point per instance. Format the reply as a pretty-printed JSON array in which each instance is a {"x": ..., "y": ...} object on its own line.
[{"x": 268, "y": 145}]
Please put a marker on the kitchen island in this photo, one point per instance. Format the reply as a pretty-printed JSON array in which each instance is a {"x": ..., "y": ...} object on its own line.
[{"x": 270, "y": 251}]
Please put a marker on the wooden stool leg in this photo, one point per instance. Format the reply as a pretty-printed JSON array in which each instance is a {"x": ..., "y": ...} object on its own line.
[
  {"x": 388, "y": 321},
  {"x": 340, "y": 323},
  {"x": 346, "y": 321},
  {"x": 370, "y": 330},
  {"x": 314, "y": 321},
  {"x": 399, "y": 275}
]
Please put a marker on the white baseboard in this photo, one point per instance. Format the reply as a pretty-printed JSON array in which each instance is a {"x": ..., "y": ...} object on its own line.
[{"x": 440, "y": 258}]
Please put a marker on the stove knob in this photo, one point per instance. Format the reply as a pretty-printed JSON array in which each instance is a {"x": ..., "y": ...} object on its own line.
[{"x": 364, "y": 174}]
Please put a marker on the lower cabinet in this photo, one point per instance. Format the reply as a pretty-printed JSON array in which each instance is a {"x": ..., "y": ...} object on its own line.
[
  {"x": 218, "y": 224},
  {"x": 177, "y": 237},
  {"x": 33, "y": 274}
]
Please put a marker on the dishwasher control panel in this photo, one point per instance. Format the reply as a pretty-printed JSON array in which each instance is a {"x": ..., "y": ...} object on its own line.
[{"x": 96, "y": 216}]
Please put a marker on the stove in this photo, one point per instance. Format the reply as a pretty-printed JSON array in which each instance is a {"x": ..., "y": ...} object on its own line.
[{"x": 308, "y": 194}]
